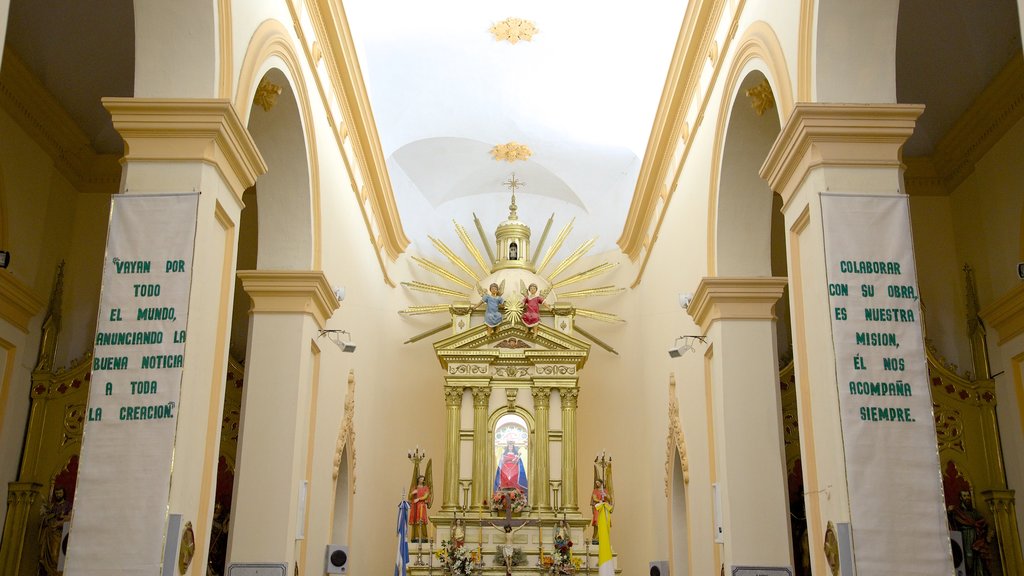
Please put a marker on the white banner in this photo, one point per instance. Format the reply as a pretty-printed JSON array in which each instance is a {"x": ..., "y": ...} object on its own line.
[
  {"x": 892, "y": 464},
  {"x": 120, "y": 507}
]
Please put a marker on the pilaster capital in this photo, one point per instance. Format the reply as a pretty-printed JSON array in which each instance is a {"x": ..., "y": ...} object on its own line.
[
  {"x": 850, "y": 135},
  {"x": 453, "y": 396},
  {"x": 22, "y": 492},
  {"x": 18, "y": 304},
  {"x": 1006, "y": 314},
  {"x": 481, "y": 396},
  {"x": 736, "y": 298},
  {"x": 290, "y": 292},
  {"x": 188, "y": 130},
  {"x": 541, "y": 397},
  {"x": 1001, "y": 500},
  {"x": 569, "y": 397}
]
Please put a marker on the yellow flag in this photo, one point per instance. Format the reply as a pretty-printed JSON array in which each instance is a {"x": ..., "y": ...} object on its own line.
[{"x": 605, "y": 563}]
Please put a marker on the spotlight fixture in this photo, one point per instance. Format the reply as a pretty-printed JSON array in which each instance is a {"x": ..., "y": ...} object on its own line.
[
  {"x": 677, "y": 349},
  {"x": 685, "y": 299},
  {"x": 346, "y": 345}
]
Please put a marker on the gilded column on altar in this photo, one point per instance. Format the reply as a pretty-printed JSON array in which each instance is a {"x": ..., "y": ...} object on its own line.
[
  {"x": 481, "y": 399},
  {"x": 541, "y": 406},
  {"x": 21, "y": 497},
  {"x": 453, "y": 409},
  {"x": 569, "y": 491},
  {"x": 1004, "y": 516}
]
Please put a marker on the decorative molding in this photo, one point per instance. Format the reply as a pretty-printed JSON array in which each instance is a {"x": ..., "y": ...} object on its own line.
[
  {"x": 761, "y": 97},
  {"x": 513, "y": 343},
  {"x": 853, "y": 135},
  {"x": 188, "y": 130},
  {"x": 735, "y": 298},
  {"x": 1006, "y": 314},
  {"x": 347, "y": 435},
  {"x": 42, "y": 117},
  {"x": 998, "y": 108},
  {"x": 290, "y": 292},
  {"x": 335, "y": 39},
  {"x": 453, "y": 395},
  {"x": 675, "y": 443},
  {"x": 18, "y": 303},
  {"x": 511, "y": 152},
  {"x": 513, "y": 30},
  {"x": 266, "y": 95}
]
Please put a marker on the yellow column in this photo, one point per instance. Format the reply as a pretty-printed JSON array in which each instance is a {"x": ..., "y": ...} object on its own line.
[
  {"x": 453, "y": 419},
  {"x": 542, "y": 476},
  {"x": 569, "y": 491},
  {"x": 738, "y": 316},
  {"x": 21, "y": 498},
  {"x": 1004, "y": 516},
  {"x": 481, "y": 477},
  {"x": 184, "y": 145},
  {"x": 288, "y": 309}
]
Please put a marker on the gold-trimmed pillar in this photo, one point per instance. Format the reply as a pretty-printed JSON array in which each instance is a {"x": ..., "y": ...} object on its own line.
[
  {"x": 453, "y": 424},
  {"x": 570, "y": 497},
  {"x": 288, "y": 309},
  {"x": 738, "y": 317},
  {"x": 1004, "y": 516},
  {"x": 541, "y": 453},
  {"x": 481, "y": 400},
  {"x": 21, "y": 498}
]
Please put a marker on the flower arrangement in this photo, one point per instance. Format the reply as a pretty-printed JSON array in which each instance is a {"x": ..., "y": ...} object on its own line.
[
  {"x": 514, "y": 499},
  {"x": 562, "y": 560},
  {"x": 455, "y": 559}
]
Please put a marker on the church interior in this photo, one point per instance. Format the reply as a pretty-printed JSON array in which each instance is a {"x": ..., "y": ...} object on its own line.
[{"x": 276, "y": 272}]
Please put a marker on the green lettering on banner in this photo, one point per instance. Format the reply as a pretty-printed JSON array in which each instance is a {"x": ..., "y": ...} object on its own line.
[
  {"x": 110, "y": 363},
  {"x": 162, "y": 361},
  {"x": 131, "y": 266}
]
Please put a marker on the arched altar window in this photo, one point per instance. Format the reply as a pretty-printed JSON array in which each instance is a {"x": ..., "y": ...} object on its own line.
[{"x": 511, "y": 453}]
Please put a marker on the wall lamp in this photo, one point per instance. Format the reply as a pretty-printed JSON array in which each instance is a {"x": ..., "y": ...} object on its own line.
[
  {"x": 678, "y": 349},
  {"x": 346, "y": 345}
]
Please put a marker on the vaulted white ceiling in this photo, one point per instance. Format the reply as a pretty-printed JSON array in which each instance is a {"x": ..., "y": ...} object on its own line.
[{"x": 581, "y": 94}]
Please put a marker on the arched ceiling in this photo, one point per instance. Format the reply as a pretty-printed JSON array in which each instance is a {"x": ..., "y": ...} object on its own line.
[{"x": 581, "y": 93}]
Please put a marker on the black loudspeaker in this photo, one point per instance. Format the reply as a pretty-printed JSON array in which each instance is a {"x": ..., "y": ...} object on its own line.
[
  {"x": 336, "y": 560},
  {"x": 956, "y": 542},
  {"x": 659, "y": 568}
]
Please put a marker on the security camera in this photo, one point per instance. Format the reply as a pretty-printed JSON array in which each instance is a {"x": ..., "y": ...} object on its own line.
[{"x": 685, "y": 299}]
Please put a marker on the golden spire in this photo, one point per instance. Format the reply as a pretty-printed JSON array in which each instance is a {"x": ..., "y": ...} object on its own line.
[{"x": 512, "y": 184}]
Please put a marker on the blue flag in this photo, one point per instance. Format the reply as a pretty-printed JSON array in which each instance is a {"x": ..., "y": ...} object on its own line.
[{"x": 402, "y": 558}]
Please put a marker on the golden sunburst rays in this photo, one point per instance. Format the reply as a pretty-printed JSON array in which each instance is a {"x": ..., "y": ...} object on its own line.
[
  {"x": 585, "y": 275},
  {"x": 588, "y": 292},
  {"x": 442, "y": 272},
  {"x": 426, "y": 309},
  {"x": 483, "y": 238},
  {"x": 598, "y": 315},
  {"x": 559, "y": 240},
  {"x": 424, "y": 287},
  {"x": 514, "y": 309},
  {"x": 468, "y": 243},
  {"x": 453, "y": 257},
  {"x": 572, "y": 258}
]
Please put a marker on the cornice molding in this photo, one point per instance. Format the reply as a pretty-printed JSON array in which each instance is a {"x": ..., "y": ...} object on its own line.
[
  {"x": 1006, "y": 314},
  {"x": 999, "y": 107},
  {"x": 735, "y": 298},
  {"x": 188, "y": 130},
  {"x": 42, "y": 117},
  {"x": 692, "y": 49},
  {"x": 852, "y": 135},
  {"x": 290, "y": 292},
  {"x": 339, "y": 53},
  {"x": 18, "y": 304}
]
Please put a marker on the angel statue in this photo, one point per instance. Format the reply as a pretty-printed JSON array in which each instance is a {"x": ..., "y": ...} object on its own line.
[
  {"x": 603, "y": 491},
  {"x": 531, "y": 307},
  {"x": 493, "y": 301},
  {"x": 421, "y": 498}
]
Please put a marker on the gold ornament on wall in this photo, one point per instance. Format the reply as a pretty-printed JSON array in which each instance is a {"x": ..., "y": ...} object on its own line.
[
  {"x": 761, "y": 97},
  {"x": 513, "y": 30},
  {"x": 831, "y": 547},
  {"x": 266, "y": 95},
  {"x": 188, "y": 548},
  {"x": 511, "y": 152}
]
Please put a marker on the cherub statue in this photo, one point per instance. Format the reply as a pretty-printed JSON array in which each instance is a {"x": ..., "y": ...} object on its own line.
[
  {"x": 493, "y": 301},
  {"x": 531, "y": 307},
  {"x": 603, "y": 491},
  {"x": 421, "y": 498}
]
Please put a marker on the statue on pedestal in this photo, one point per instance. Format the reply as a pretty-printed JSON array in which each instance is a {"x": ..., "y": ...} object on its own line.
[
  {"x": 976, "y": 535},
  {"x": 602, "y": 489},
  {"x": 421, "y": 497},
  {"x": 51, "y": 531}
]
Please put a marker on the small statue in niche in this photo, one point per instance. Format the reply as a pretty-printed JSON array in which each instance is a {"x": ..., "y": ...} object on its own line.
[
  {"x": 974, "y": 531},
  {"x": 513, "y": 251},
  {"x": 51, "y": 530}
]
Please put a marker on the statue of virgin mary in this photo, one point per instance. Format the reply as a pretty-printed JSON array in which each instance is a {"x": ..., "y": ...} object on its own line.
[{"x": 511, "y": 474}]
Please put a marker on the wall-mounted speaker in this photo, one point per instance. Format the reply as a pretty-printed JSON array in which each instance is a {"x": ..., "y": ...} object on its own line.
[
  {"x": 659, "y": 568},
  {"x": 956, "y": 542},
  {"x": 64, "y": 546},
  {"x": 336, "y": 560}
]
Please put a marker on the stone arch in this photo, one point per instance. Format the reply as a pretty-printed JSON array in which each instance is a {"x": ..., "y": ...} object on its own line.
[
  {"x": 759, "y": 51},
  {"x": 854, "y": 48},
  {"x": 176, "y": 49},
  {"x": 271, "y": 56}
]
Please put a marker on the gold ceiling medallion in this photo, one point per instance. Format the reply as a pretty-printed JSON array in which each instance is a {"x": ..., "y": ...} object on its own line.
[
  {"x": 511, "y": 152},
  {"x": 513, "y": 30},
  {"x": 266, "y": 95},
  {"x": 761, "y": 97}
]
